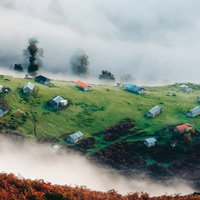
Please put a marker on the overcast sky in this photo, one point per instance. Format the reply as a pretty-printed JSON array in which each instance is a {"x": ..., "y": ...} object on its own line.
[{"x": 152, "y": 40}]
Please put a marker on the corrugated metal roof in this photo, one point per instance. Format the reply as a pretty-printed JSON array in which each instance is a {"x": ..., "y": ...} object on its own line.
[
  {"x": 184, "y": 86},
  {"x": 76, "y": 135},
  {"x": 136, "y": 88},
  {"x": 132, "y": 87},
  {"x": 129, "y": 85},
  {"x": 1, "y": 111},
  {"x": 54, "y": 147},
  {"x": 155, "y": 109},
  {"x": 150, "y": 140},
  {"x": 83, "y": 85},
  {"x": 184, "y": 126},
  {"x": 42, "y": 78},
  {"x": 58, "y": 99},
  {"x": 29, "y": 85},
  {"x": 1, "y": 86},
  {"x": 195, "y": 110},
  {"x": 63, "y": 101}
]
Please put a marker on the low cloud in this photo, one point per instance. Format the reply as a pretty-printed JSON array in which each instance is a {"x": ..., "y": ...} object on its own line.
[
  {"x": 35, "y": 161},
  {"x": 148, "y": 39}
]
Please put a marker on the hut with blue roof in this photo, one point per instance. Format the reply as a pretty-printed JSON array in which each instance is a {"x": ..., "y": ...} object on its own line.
[
  {"x": 134, "y": 88},
  {"x": 1, "y": 112},
  {"x": 75, "y": 137},
  {"x": 154, "y": 111},
  {"x": 150, "y": 142}
]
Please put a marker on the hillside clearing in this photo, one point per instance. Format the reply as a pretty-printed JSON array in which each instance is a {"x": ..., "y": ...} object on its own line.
[{"x": 93, "y": 111}]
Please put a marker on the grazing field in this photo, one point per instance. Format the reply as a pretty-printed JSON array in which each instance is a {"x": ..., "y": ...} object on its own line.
[
  {"x": 94, "y": 111},
  {"x": 114, "y": 125}
]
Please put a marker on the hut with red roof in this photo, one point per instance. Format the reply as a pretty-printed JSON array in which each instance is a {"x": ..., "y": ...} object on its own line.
[
  {"x": 83, "y": 86},
  {"x": 183, "y": 128}
]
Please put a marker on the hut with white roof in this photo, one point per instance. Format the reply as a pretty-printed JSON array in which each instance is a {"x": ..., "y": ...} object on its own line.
[
  {"x": 75, "y": 137},
  {"x": 28, "y": 88},
  {"x": 194, "y": 112},
  {"x": 186, "y": 88},
  {"x": 154, "y": 111},
  {"x": 150, "y": 142},
  {"x": 58, "y": 102}
]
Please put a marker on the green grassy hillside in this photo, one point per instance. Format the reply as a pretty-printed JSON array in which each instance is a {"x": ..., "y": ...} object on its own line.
[
  {"x": 91, "y": 112},
  {"x": 114, "y": 125}
]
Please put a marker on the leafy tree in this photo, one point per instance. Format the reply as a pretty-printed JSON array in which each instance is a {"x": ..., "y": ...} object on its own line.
[
  {"x": 18, "y": 67},
  {"x": 80, "y": 64},
  {"x": 105, "y": 75},
  {"x": 33, "y": 53},
  {"x": 126, "y": 78}
]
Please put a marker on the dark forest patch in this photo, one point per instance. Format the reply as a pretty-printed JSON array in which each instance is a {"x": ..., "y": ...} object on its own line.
[
  {"x": 116, "y": 131},
  {"x": 85, "y": 144}
]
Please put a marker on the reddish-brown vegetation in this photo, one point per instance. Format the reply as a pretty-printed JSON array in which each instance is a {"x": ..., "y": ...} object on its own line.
[{"x": 15, "y": 188}]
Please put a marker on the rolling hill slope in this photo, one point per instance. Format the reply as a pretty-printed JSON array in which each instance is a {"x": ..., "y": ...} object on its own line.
[
  {"x": 114, "y": 125},
  {"x": 94, "y": 111}
]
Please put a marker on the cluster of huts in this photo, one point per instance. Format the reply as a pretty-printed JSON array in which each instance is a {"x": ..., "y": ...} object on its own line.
[
  {"x": 59, "y": 101},
  {"x": 28, "y": 87},
  {"x": 186, "y": 88},
  {"x": 149, "y": 142},
  {"x": 56, "y": 102},
  {"x": 184, "y": 128},
  {"x": 72, "y": 139}
]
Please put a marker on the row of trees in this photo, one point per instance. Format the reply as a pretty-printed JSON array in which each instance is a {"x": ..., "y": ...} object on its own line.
[{"x": 79, "y": 63}]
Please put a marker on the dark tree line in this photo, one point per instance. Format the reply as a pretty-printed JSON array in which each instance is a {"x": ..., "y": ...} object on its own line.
[{"x": 106, "y": 76}]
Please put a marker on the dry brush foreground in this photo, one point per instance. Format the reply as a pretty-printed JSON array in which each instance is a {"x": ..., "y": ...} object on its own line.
[{"x": 17, "y": 188}]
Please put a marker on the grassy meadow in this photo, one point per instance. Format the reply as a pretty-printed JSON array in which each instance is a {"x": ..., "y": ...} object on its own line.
[{"x": 94, "y": 111}]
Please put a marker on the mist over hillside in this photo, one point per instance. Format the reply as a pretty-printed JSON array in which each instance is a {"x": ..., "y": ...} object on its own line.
[
  {"x": 36, "y": 161},
  {"x": 150, "y": 40},
  {"x": 155, "y": 43}
]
